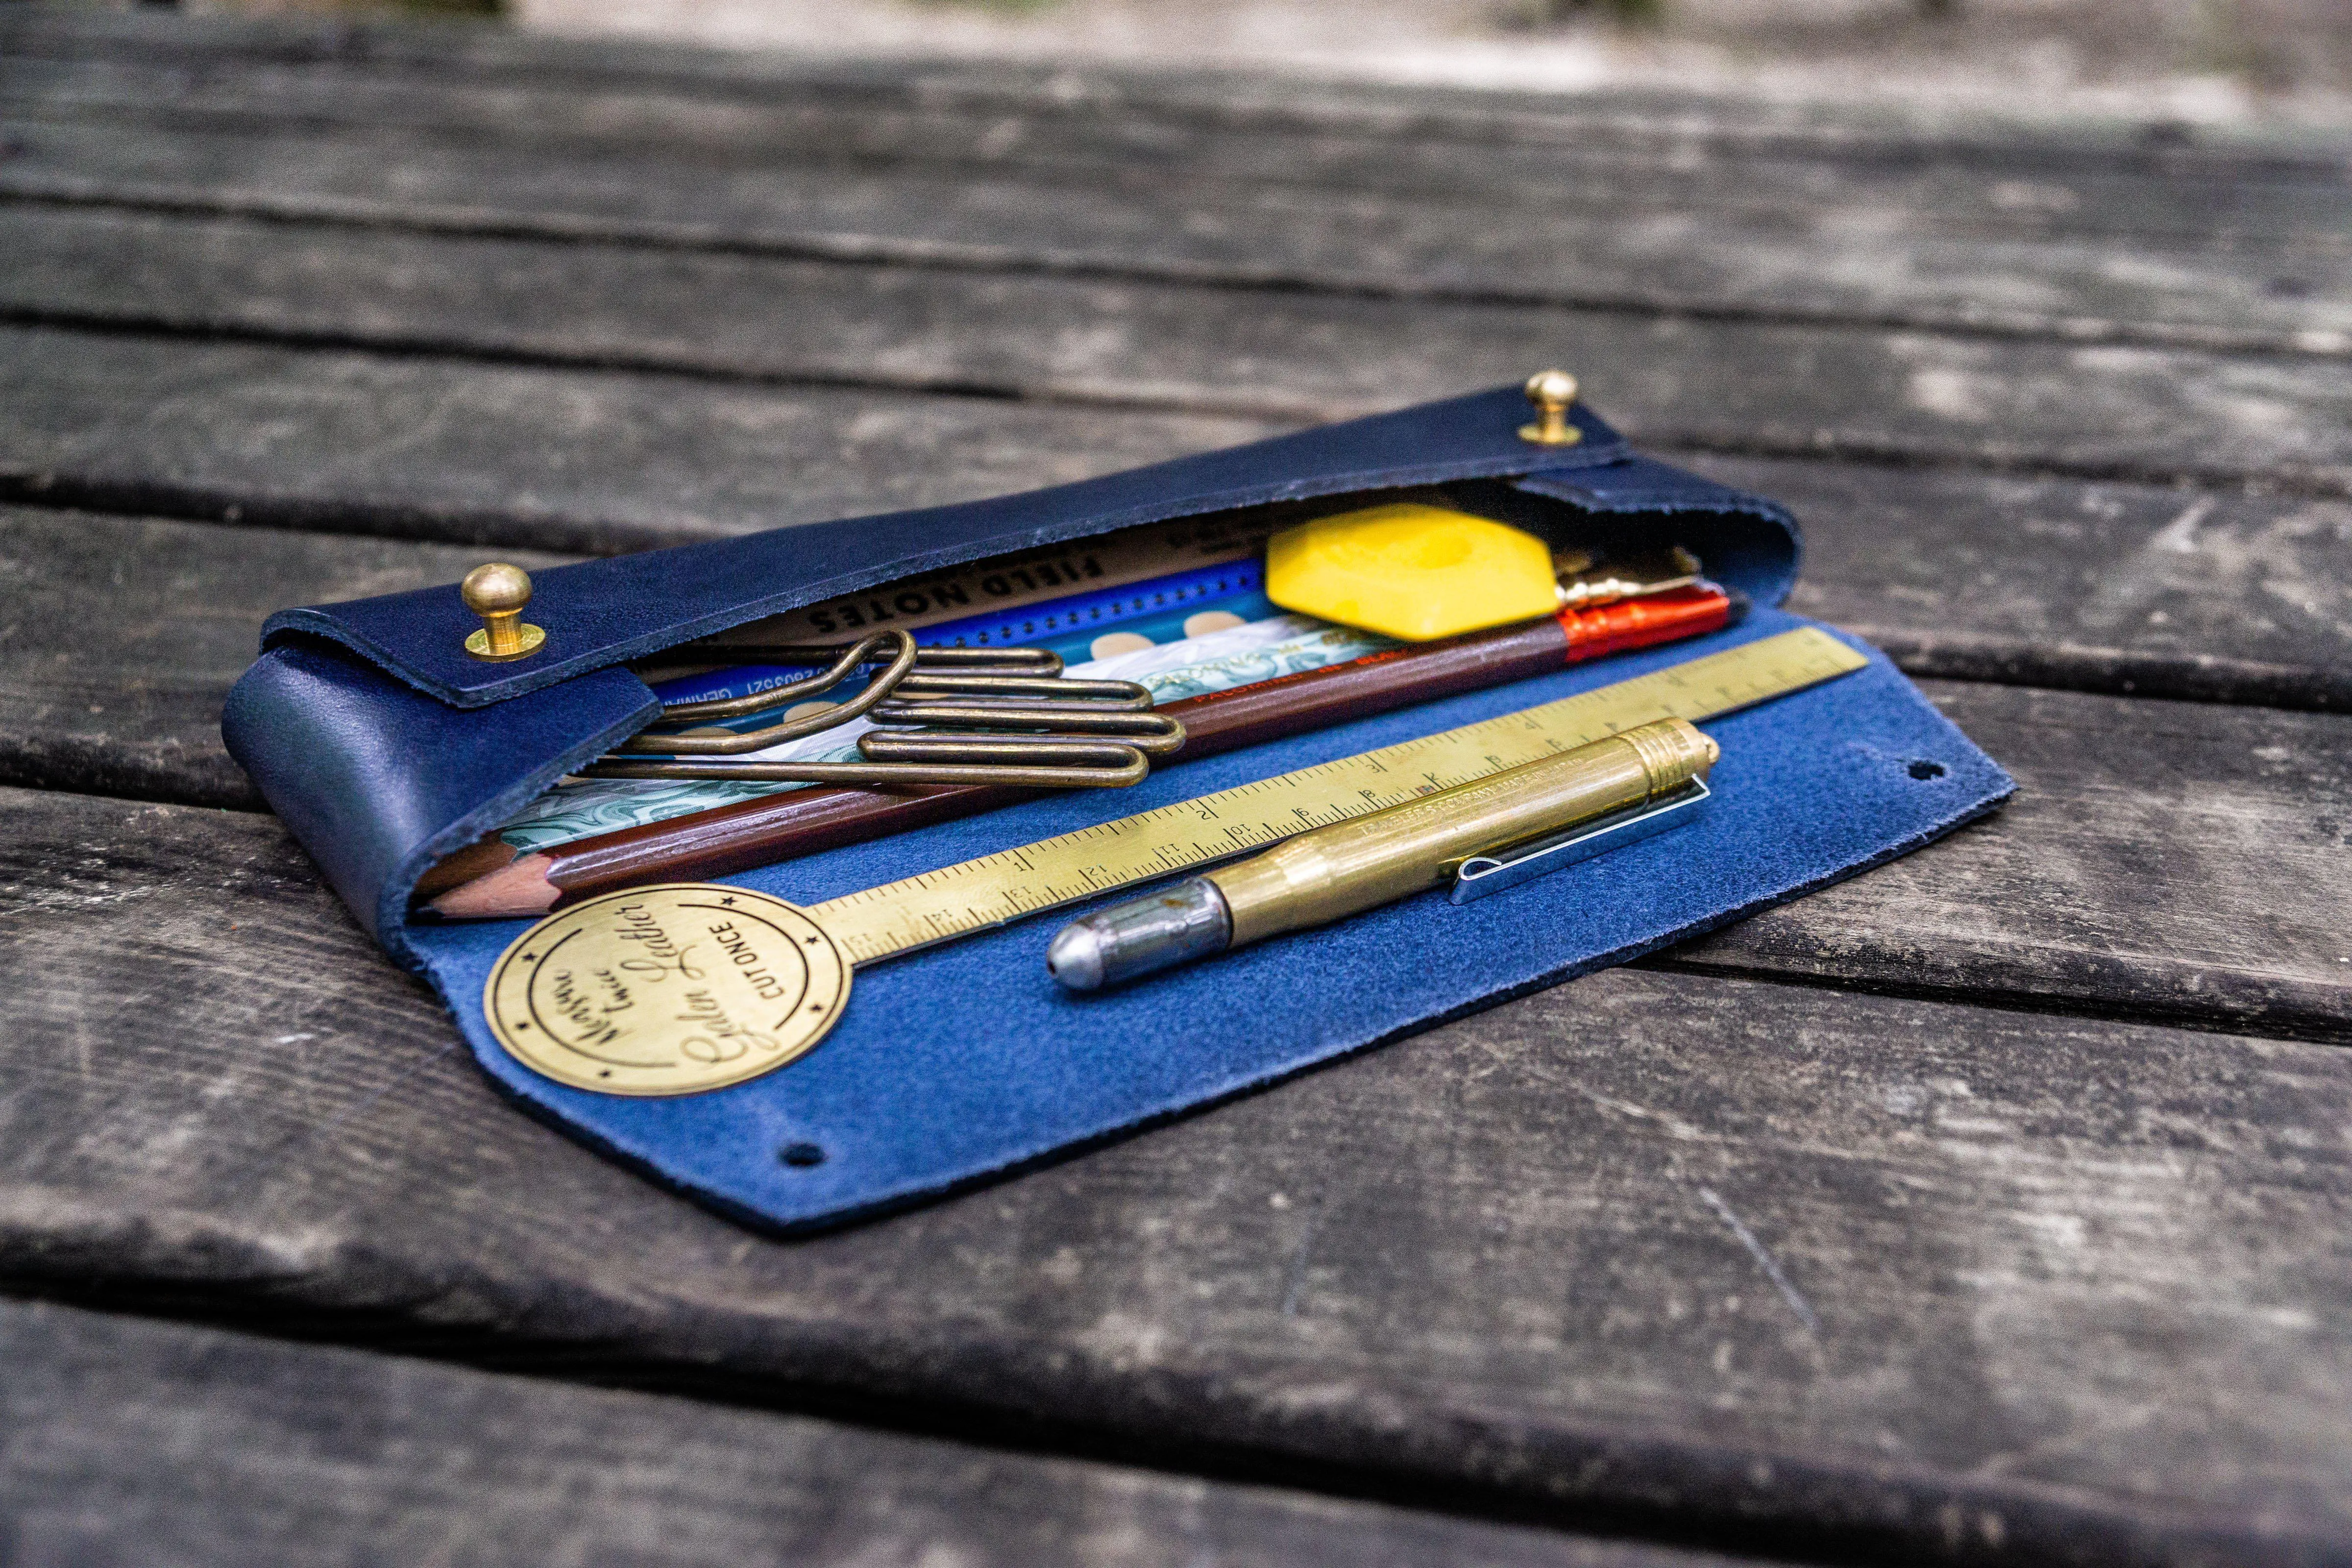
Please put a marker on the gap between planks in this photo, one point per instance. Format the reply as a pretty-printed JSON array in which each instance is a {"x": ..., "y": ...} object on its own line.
[
  {"x": 54, "y": 486},
  {"x": 1291, "y": 410},
  {"x": 1574, "y": 1532}
]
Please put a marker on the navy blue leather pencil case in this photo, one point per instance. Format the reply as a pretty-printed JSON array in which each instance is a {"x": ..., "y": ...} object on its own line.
[{"x": 386, "y": 747}]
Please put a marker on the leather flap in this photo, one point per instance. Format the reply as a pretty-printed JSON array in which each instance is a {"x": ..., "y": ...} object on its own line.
[{"x": 601, "y": 612}]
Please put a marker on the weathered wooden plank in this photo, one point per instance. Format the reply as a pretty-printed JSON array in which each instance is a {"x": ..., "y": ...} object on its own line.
[
  {"x": 1882, "y": 131},
  {"x": 911, "y": 118},
  {"x": 550, "y": 459},
  {"x": 130, "y": 1440},
  {"x": 1300, "y": 357},
  {"x": 1813, "y": 259},
  {"x": 2117, "y": 588},
  {"x": 1831, "y": 1271},
  {"x": 2167, "y": 860},
  {"x": 1136, "y": 111},
  {"x": 556, "y": 458},
  {"x": 124, "y": 636}
]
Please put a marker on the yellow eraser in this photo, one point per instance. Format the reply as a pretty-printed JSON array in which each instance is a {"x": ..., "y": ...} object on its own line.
[{"x": 1411, "y": 571}]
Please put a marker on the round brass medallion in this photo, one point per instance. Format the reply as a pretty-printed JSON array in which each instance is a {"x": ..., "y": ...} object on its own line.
[{"x": 667, "y": 989}]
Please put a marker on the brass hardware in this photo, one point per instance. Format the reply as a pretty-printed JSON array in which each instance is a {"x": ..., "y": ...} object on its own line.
[
  {"x": 1098, "y": 734},
  {"x": 901, "y": 656},
  {"x": 1348, "y": 867},
  {"x": 1066, "y": 765},
  {"x": 1345, "y": 868},
  {"x": 694, "y": 659},
  {"x": 1639, "y": 577},
  {"x": 667, "y": 989},
  {"x": 1551, "y": 391},
  {"x": 1154, "y": 734},
  {"x": 497, "y": 593}
]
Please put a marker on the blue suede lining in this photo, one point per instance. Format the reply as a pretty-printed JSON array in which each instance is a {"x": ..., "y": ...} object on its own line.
[{"x": 918, "y": 1090}]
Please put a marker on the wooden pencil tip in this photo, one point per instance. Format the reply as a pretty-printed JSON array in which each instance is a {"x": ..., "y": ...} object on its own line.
[
  {"x": 480, "y": 858},
  {"x": 509, "y": 892}
]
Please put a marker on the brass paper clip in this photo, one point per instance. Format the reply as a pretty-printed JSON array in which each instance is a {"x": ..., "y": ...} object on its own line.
[{"x": 981, "y": 716}]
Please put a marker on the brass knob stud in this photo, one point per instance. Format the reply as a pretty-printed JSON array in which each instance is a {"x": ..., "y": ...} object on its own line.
[
  {"x": 1551, "y": 391},
  {"x": 497, "y": 593}
]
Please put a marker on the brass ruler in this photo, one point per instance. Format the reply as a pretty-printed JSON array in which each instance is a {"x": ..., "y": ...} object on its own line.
[{"x": 956, "y": 900}]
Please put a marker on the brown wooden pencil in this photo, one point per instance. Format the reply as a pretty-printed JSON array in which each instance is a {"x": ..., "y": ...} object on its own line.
[{"x": 482, "y": 883}]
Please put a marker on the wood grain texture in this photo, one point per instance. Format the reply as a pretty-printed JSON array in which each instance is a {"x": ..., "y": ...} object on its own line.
[
  {"x": 1285, "y": 355},
  {"x": 1122, "y": 128},
  {"x": 1683, "y": 1254},
  {"x": 2164, "y": 860},
  {"x": 1633, "y": 117},
  {"x": 131, "y": 1441},
  {"x": 2119, "y": 588},
  {"x": 1281, "y": 239},
  {"x": 124, "y": 634},
  {"x": 1797, "y": 237},
  {"x": 546, "y": 460}
]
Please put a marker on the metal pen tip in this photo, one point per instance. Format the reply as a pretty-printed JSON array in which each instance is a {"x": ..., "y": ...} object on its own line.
[
  {"x": 1140, "y": 936},
  {"x": 1075, "y": 957}
]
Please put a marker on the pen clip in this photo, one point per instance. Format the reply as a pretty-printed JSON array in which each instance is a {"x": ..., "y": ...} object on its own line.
[{"x": 1483, "y": 874}]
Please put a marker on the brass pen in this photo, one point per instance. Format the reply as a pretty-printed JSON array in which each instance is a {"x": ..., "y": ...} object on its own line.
[{"x": 1378, "y": 858}]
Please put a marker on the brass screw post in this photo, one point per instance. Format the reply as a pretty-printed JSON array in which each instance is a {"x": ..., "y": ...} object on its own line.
[
  {"x": 497, "y": 593},
  {"x": 1551, "y": 392}
]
